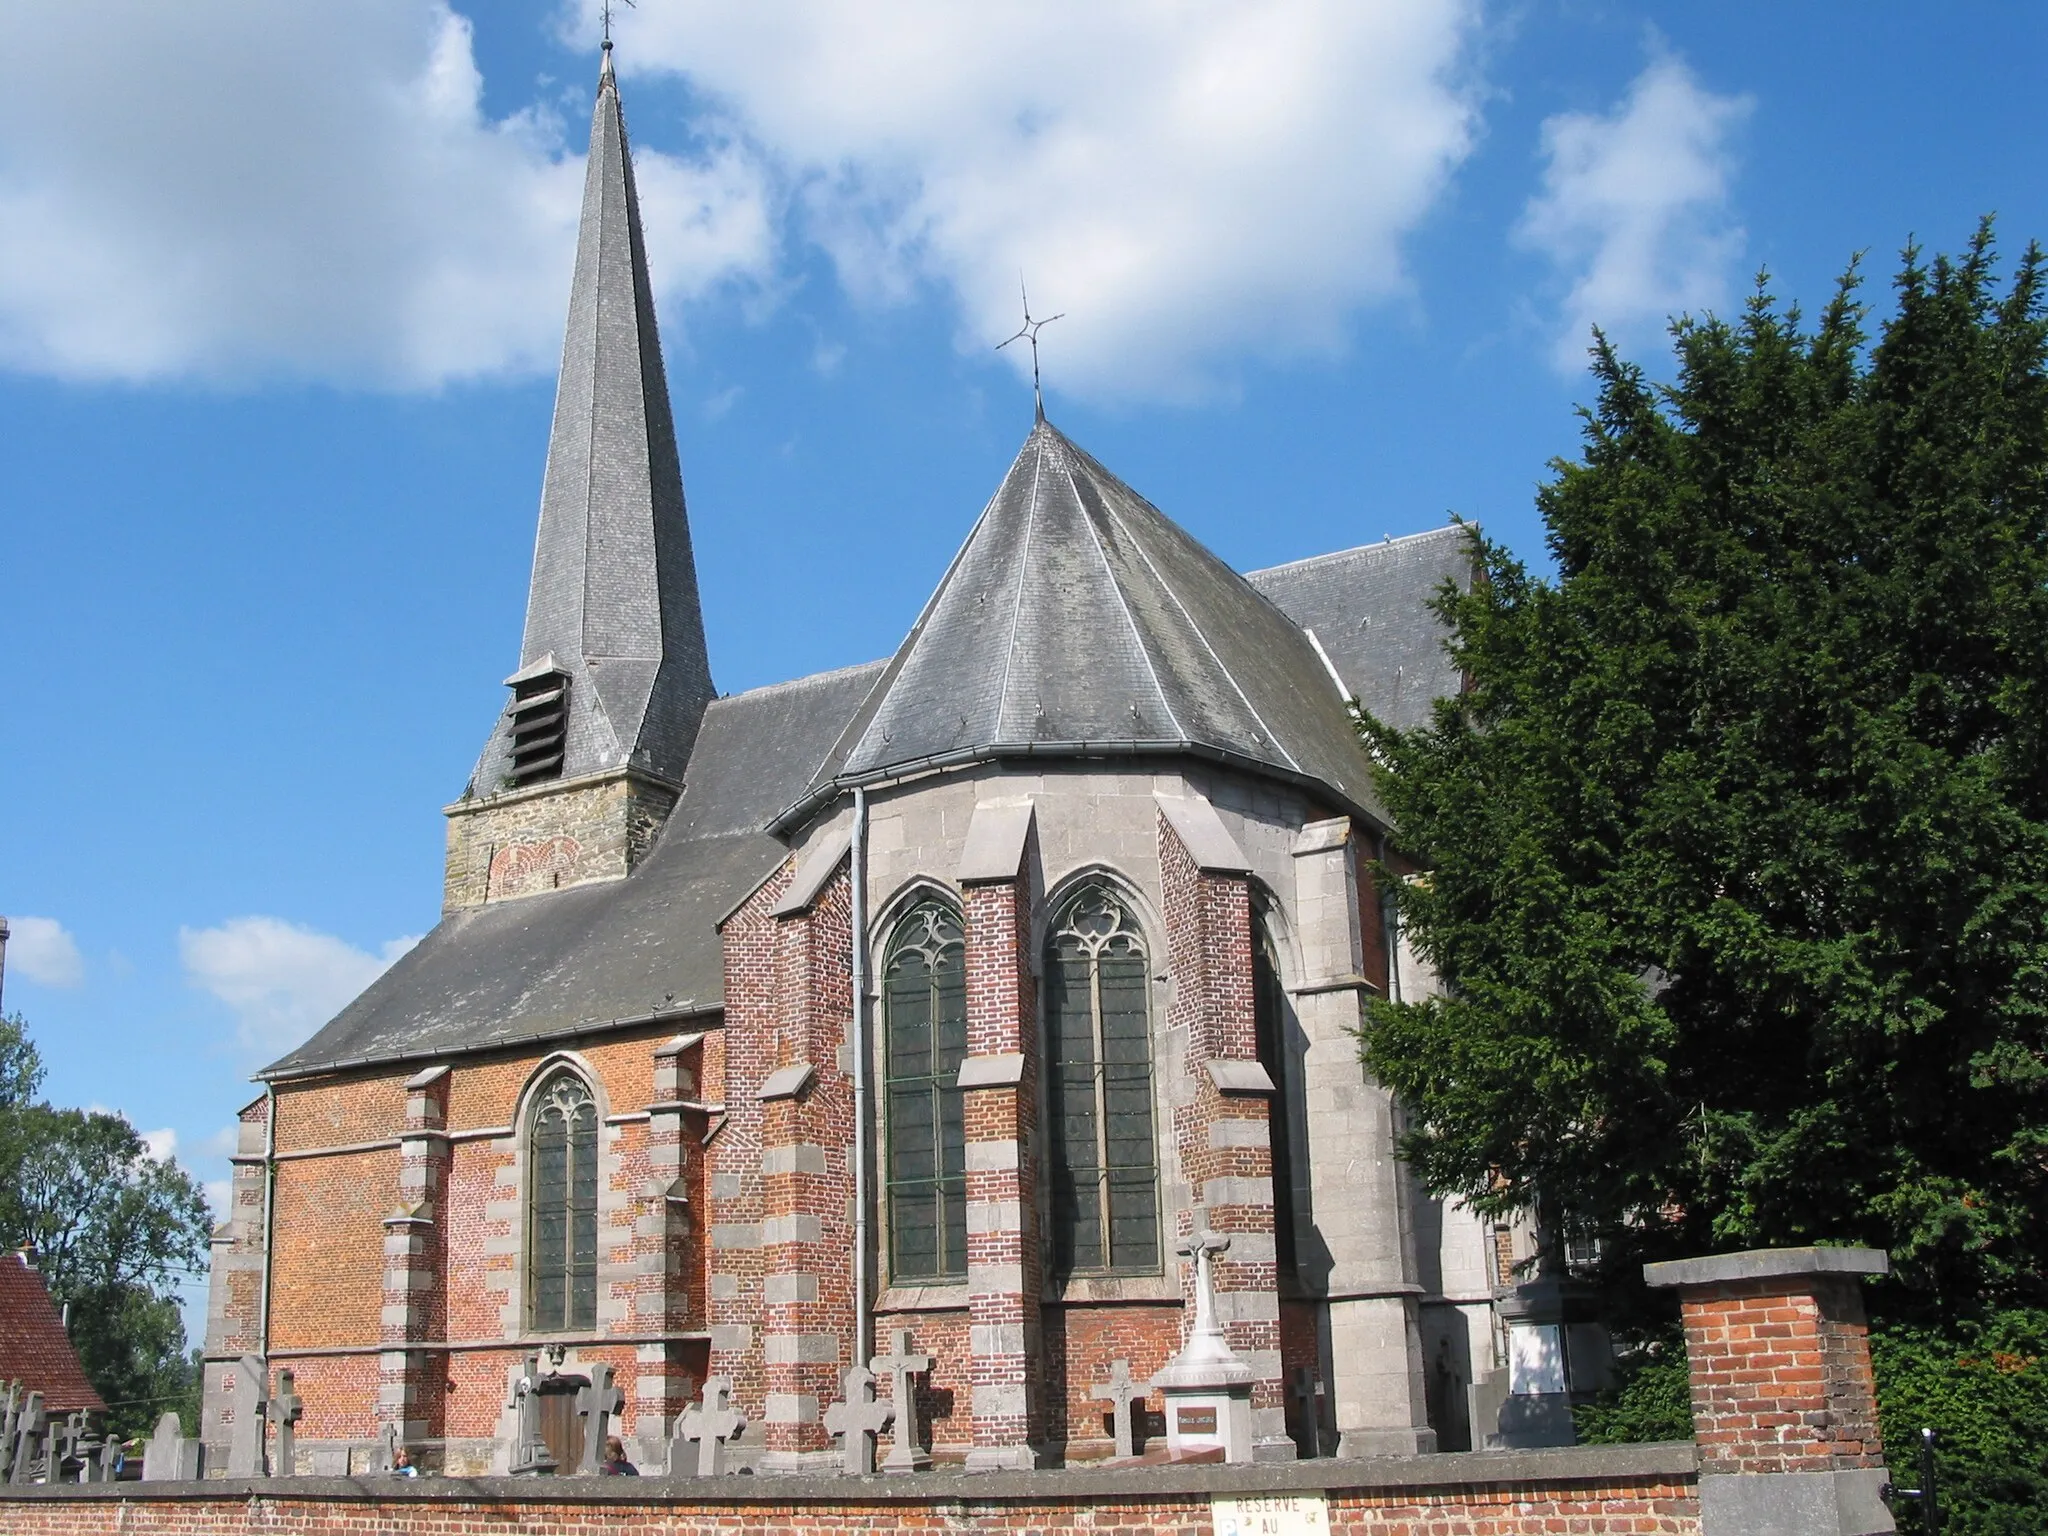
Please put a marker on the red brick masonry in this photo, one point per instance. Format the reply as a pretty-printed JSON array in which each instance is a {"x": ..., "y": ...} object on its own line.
[{"x": 1587, "y": 1490}]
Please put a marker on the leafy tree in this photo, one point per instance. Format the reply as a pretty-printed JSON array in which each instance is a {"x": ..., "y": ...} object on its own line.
[
  {"x": 114, "y": 1228},
  {"x": 1736, "y": 849}
]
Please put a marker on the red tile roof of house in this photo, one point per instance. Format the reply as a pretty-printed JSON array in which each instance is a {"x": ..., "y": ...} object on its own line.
[{"x": 33, "y": 1346}]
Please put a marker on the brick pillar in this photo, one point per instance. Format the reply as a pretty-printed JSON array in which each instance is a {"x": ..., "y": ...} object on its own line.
[
  {"x": 807, "y": 1139},
  {"x": 1783, "y": 1401},
  {"x": 410, "y": 1387},
  {"x": 234, "y": 1295},
  {"x": 999, "y": 1080},
  {"x": 751, "y": 1041},
  {"x": 1365, "y": 1266},
  {"x": 663, "y": 1228},
  {"x": 1222, "y": 1113}
]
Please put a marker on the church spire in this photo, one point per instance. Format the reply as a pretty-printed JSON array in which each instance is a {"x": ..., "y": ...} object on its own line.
[{"x": 613, "y": 670}]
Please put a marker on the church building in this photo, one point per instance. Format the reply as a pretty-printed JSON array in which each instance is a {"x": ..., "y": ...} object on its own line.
[{"x": 930, "y": 1002}]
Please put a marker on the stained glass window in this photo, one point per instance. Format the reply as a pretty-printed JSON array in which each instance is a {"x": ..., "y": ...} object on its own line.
[
  {"x": 1105, "y": 1174},
  {"x": 924, "y": 1013},
  {"x": 562, "y": 1216}
]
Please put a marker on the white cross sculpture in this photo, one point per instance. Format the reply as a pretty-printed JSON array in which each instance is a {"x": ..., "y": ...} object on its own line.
[
  {"x": 1201, "y": 1247},
  {"x": 1121, "y": 1392},
  {"x": 860, "y": 1419},
  {"x": 597, "y": 1403},
  {"x": 905, "y": 1454},
  {"x": 711, "y": 1424}
]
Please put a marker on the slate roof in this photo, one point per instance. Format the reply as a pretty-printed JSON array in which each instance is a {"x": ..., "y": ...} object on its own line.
[
  {"x": 33, "y": 1347},
  {"x": 1079, "y": 620},
  {"x": 1369, "y": 609},
  {"x": 573, "y": 961},
  {"x": 614, "y": 593}
]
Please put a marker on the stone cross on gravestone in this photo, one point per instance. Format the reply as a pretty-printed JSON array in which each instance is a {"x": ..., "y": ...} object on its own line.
[
  {"x": 64, "y": 1438},
  {"x": 245, "y": 1442},
  {"x": 860, "y": 1419},
  {"x": 1120, "y": 1392},
  {"x": 286, "y": 1410},
  {"x": 1308, "y": 1390},
  {"x": 905, "y": 1453},
  {"x": 1201, "y": 1248},
  {"x": 28, "y": 1432},
  {"x": 597, "y": 1403},
  {"x": 10, "y": 1416},
  {"x": 710, "y": 1424}
]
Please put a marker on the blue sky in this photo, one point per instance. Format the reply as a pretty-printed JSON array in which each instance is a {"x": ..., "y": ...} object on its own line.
[{"x": 281, "y": 289}]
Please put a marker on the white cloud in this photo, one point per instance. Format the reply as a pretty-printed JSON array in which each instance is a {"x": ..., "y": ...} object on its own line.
[
  {"x": 42, "y": 949},
  {"x": 162, "y": 1145},
  {"x": 220, "y": 1194},
  {"x": 228, "y": 190},
  {"x": 1192, "y": 183},
  {"x": 1634, "y": 210},
  {"x": 281, "y": 981}
]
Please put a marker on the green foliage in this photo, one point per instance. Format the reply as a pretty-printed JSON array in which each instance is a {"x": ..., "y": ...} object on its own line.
[
  {"x": 1737, "y": 846},
  {"x": 114, "y": 1228},
  {"x": 1983, "y": 1387},
  {"x": 1651, "y": 1398}
]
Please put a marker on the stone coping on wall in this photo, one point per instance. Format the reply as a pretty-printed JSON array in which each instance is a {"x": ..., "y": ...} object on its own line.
[
  {"x": 1767, "y": 1264},
  {"x": 1456, "y": 1470}
]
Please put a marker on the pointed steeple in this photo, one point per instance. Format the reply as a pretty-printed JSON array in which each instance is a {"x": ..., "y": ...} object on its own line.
[{"x": 613, "y": 626}]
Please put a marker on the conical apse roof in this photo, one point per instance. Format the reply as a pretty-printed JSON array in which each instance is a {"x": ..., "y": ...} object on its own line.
[{"x": 1079, "y": 620}]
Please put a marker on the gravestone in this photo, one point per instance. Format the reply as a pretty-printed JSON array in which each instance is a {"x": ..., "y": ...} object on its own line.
[
  {"x": 1308, "y": 1392},
  {"x": 384, "y": 1454},
  {"x": 10, "y": 1415},
  {"x": 530, "y": 1454},
  {"x": 245, "y": 1439},
  {"x": 1120, "y": 1392},
  {"x": 28, "y": 1439},
  {"x": 906, "y": 1454},
  {"x": 597, "y": 1401},
  {"x": 170, "y": 1457},
  {"x": 860, "y": 1419},
  {"x": 110, "y": 1459},
  {"x": 1207, "y": 1386},
  {"x": 285, "y": 1411},
  {"x": 710, "y": 1425}
]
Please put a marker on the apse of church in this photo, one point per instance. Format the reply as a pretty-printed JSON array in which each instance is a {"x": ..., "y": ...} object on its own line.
[{"x": 955, "y": 1005}]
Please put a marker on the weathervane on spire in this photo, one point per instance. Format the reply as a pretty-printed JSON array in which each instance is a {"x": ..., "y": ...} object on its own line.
[
  {"x": 1029, "y": 332},
  {"x": 604, "y": 11}
]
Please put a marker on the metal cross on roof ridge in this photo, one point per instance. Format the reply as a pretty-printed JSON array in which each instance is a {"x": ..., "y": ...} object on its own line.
[{"x": 1028, "y": 331}]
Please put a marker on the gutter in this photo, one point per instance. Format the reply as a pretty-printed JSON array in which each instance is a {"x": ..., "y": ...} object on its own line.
[
  {"x": 688, "y": 1010},
  {"x": 792, "y": 816},
  {"x": 269, "y": 1217},
  {"x": 856, "y": 1023}
]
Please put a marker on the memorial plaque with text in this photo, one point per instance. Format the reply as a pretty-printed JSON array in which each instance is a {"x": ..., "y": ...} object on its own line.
[
  {"x": 1195, "y": 1421},
  {"x": 1297, "y": 1514}
]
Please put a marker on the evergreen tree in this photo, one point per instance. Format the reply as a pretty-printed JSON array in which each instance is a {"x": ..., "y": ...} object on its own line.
[{"x": 1735, "y": 852}]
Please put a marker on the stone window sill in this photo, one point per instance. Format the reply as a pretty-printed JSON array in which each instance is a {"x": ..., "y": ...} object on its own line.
[{"x": 923, "y": 1298}]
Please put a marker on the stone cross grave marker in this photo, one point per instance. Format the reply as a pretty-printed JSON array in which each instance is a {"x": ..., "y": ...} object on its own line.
[
  {"x": 286, "y": 1409},
  {"x": 64, "y": 1437},
  {"x": 597, "y": 1403},
  {"x": 110, "y": 1458},
  {"x": 860, "y": 1419},
  {"x": 170, "y": 1457},
  {"x": 1121, "y": 1392},
  {"x": 710, "y": 1424},
  {"x": 245, "y": 1440},
  {"x": 28, "y": 1433},
  {"x": 1201, "y": 1247},
  {"x": 1308, "y": 1391},
  {"x": 530, "y": 1453},
  {"x": 905, "y": 1453}
]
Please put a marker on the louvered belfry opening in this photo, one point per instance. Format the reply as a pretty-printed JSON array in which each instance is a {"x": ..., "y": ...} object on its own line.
[{"x": 540, "y": 727}]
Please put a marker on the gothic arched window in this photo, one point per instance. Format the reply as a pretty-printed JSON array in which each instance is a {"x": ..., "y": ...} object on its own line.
[
  {"x": 562, "y": 1205},
  {"x": 1105, "y": 1174},
  {"x": 924, "y": 1007}
]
